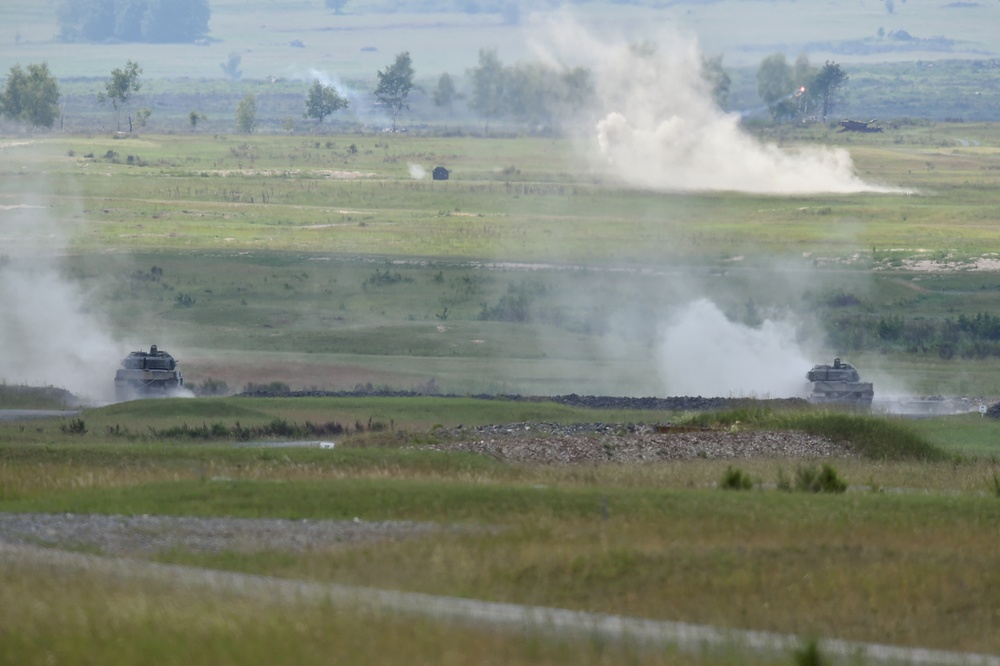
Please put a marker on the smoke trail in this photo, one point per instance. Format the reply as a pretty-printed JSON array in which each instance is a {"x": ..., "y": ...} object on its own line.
[{"x": 658, "y": 127}]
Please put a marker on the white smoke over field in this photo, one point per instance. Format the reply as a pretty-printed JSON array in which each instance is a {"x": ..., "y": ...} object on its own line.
[
  {"x": 702, "y": 352},
  {"x": 48, "y": 336},
  {"x": 658, "y": 127}
]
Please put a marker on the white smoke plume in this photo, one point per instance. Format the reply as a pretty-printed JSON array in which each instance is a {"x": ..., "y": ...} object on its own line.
[
  {"x": 658, "y": 127},
  {"x": 417, "y": 172},
  {"x": 702, "y": 352},
  {"x": 48, "y": 337}
]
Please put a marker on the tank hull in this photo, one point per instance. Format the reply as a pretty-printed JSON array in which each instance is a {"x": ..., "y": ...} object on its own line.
[
  {"x": 136, "y": 384},
  {"x": 844, "y": 393},
  {"x": 152, "y": 374},
  {"x": 839, "y": 384}
]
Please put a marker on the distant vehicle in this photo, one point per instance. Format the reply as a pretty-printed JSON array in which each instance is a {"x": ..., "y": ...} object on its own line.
[
  {"x": 152, "y": 374},
  {"x": 859, "y": 126},
  {"x": 839, "y": 383}
]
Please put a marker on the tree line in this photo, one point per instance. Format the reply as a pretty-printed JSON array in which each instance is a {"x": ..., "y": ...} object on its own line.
[
  {"x": 160, "y": 21},
  {"x": 527, "y": 93},
  {"x": 976, "y": 336},
  {"x": 799, "y": 91}
]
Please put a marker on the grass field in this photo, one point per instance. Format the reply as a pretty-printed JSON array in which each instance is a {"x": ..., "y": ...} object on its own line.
[
  {"x": 329, "y": 261},
  {"x": 904, "y": 557},
  {"x": 299, "y": 260}
]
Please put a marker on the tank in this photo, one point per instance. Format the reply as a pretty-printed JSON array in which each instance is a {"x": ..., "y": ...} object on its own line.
[
  {"x": 839, "y": 383},
  {"x": 152, "y": 374}
]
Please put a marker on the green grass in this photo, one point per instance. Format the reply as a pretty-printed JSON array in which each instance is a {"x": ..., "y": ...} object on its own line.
[
  {"x": 883, "y": 562},
  {"x": 967, "y": 434},
  {"x": 859, "y": 566},
  {"x": 167, "y": 625},
  {"x": 272, "y": 299},
  {"x": 292, "y": 275}
]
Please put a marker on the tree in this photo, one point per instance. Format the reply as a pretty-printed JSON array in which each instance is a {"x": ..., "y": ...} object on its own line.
[
  {"x": 539, "y": 95},
  {"x": 196, "y": 117},
  {"x": 445, "y": 93},
  {"x": 826, "y": 84},
  {"x": 715, "y": 76},
  {"x": 776, "y": 87},
  {"x": 803, "y": 76},
  {"x": 119, "y": 90},
  {"x": 231, "y": 67},
  {"x": 31, "y": 96},
  {"x": 246, "y": 114},
  {"x": 488, "y": 83},
  {"x": 395, "y": 84},
  {"x": 322, "y": 101},
  {"x": 774, "y": 79}
]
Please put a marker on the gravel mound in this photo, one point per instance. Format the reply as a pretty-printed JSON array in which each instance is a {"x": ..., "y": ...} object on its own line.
[{"x": 553, "y": 443}]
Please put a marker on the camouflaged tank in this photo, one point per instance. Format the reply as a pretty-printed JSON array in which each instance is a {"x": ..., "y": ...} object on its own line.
[
  {"x": 839, "y": 383},
  {"x": 152, "y": 374}
]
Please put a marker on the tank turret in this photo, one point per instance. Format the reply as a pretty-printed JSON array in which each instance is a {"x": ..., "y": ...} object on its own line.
[
  {"x": 152, "y": 374},
  {"x": 839, "y": 383}
]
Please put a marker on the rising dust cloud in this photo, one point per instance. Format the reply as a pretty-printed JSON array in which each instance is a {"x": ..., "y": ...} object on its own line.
[
  {"x": 701, "y": 352},
  {"x": 657, "y": 126},
  {"x": 47, "y": 335}
]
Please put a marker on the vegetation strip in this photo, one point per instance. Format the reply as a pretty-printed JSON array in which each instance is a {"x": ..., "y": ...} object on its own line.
[{"x": 683, "y": 636}]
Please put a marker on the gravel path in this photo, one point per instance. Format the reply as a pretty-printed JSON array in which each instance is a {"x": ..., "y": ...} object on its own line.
[{"x": 145, "y": 535}]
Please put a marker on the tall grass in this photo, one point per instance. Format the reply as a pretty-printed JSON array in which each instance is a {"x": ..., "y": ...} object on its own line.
[
  {"x": 77, "y": 620},
  {"x": 873, "y": 437}
]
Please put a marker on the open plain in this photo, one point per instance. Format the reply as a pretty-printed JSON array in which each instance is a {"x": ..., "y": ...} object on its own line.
[{"x": 448, "y": 392}]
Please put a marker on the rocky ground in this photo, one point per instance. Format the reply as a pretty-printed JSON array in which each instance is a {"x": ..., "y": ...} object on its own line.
[{"x": 597, "y": 443}]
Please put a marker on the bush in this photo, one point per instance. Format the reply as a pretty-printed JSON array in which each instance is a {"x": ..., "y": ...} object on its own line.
[
  {"x": 211, "y": 387},
  {"x": 75, "y": 427},
  {"x": 735, "y": 479},
  {"x": 994, "y": 485},
  {"x": 275, "y": 387},
  {"x": 810, "y": 655},
  {"x": 819, "y": 480}
]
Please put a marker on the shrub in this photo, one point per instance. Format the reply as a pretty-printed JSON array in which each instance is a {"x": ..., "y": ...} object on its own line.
[
  {"x": 810, "y": 655},
  {"x": 275, "y": 387},
  {"x": 736, "y": 479},
  {"x": 74, "y": 427},
  {"x": 210, "y": 387},
  {"x": 994, "y": 485},
  {"x": 823, "y": 479},
  {"x": 784, "y": 483}
]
